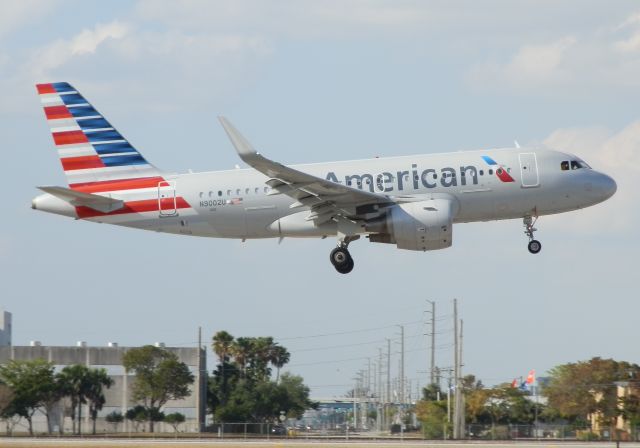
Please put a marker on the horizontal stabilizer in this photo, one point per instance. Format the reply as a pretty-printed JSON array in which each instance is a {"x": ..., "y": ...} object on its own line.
[{"x": 79, "y": 199}]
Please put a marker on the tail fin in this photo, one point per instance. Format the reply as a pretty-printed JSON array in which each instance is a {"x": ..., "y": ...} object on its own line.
[{"x": 91, "y": 150}]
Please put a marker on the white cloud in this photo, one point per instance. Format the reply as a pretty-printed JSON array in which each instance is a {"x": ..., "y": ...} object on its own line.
[
  {"x": 593, "y": 59},
  {"x": 632, "y": 43},
  {"x": 615, "y": 153},
  {"x": 531, "y": 66},
  {"x": 61, "y": 51}
]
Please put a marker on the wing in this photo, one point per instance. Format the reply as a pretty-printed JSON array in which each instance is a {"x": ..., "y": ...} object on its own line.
[{"x": 327, "y": 200}]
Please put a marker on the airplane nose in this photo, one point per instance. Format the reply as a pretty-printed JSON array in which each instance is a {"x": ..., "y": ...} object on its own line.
[{"x": 607, "y": 185}]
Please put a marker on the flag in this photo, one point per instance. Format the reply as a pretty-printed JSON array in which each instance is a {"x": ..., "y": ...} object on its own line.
[
  {"x": 514, "y": 383},
  {"x": 531, "y": 378}
]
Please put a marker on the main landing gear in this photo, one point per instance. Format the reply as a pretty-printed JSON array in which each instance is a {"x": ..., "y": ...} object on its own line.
[
  {"x": 534, "y": 245},
  {"x": 341, "y": 258}
]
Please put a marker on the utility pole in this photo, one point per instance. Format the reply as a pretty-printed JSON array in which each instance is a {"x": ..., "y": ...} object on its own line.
[
  {"x": 388, "y": 370},
  {"x": 460, "y": 403},
  {"x": 380, "y": 394},
  {"x": 402, "y": 386},
  {"x": 456, "y": 371},
  {"x": 432, "y": 374}
]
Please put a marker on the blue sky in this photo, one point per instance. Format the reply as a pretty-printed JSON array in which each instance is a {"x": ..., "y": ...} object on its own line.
[{"x": 318, "y": 81}]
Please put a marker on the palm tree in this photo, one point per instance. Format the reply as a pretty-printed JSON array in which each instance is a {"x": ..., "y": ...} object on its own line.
[
  {"x": 74, "y": 381},
  {"x": 96, "y": 381},
  {"x": 279, "y": 356},
  {"x": 222, "y": 344},
  {"x": 241, "y": 351}
]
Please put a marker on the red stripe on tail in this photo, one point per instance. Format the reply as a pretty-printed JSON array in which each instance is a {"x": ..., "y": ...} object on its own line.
[
  {"x": 45, "y": 88},
  {"x": 69, "y": 137},
  {"x": 55, "y": 112},
  {"x": 81, "y": 163}
]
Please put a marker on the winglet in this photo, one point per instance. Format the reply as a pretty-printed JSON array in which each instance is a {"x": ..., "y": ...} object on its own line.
[{"x": 242, "y": 145}]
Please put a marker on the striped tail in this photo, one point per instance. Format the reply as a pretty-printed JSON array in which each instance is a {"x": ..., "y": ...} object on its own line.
[{"x": 94, "y": 155}]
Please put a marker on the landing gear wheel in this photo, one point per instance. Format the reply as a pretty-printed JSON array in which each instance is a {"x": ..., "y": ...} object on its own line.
[
  {"x": 346, "y": 268},
  {"x": 534, "y": 246},
  {"x": 341, "y": 260}
]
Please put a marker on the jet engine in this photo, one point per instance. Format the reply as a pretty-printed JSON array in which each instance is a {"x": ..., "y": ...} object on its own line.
[{"x": 423, "y": 225}]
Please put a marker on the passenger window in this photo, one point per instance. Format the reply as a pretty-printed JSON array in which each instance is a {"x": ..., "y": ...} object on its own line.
[
  {"x": 482, "y": 172},
  {"x": 564, "y": 166},
  {"x": 219, "y": 193},
  {"x": 257, "y": 190},
  {"x": 228, "y": 192},
  {"x": 246, "y": 191},
  {"x": 266, "y": 189},
  {"x": 201, "y": 194},
  {"x": 238, "y": 192},
  {"x": 490, "y": 171},
  {"x": 575, "y": 165},
  {"x": 211, "y": 194}
]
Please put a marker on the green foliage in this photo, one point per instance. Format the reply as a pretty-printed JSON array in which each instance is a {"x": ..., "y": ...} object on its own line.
[
  {"x": 160, "y": 377},
  {"x": 114, "y": 417},
  {"x": 241, "y": 388},
  {"x": 6, "y": 399},
  {"x": 175, "y": 419},
  {"x": 433, "y": 416},
  {"x": 576, "y": 390},
  {"x": 31, "y": 382},
  {"x": 96, "y": 381},
  {"x": 83, "y": 385}
]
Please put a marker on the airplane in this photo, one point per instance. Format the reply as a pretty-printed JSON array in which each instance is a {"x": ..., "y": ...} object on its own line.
[{"x": 409, "y": 201}]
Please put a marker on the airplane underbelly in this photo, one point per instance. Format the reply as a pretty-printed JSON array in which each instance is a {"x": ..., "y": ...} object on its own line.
[{"x": 258, "y": 219}]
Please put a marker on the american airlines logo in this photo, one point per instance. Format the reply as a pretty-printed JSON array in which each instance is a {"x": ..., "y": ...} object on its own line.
[{"x": 418, "y": 178}]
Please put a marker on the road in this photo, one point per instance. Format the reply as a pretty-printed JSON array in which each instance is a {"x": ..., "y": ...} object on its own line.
[{"x": 286, "y": 443}]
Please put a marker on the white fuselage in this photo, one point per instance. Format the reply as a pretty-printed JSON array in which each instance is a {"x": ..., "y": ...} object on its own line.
[{"x": 237, "y": 203}]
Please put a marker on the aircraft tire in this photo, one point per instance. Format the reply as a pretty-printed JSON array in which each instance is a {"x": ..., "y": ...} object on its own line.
[
  {"x": 534, "y": 246},
  {"x": 346, "y": 268},
  {"x": 341, "y": 260},
  {"x": 339, "y": 256}
]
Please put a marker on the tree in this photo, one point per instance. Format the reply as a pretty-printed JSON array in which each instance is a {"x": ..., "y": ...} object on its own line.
[
  {"x": 6, "y": 403},
  {"x": 222, "y": 345},
  {"x": 175, "y": 419},
  {"x": 74, "y": 382},
  {"x": 279, "y": 356},
  {"x": 160, "y": 377},
  {"x": 137, "y": 415},
  {"x": 97, "y": 380},
  {"x": 115, "y": 418},
  {"x": 433, "y": 416},
  {"x": 31, "y": 383},
  {"x": 576, "y": 390}
]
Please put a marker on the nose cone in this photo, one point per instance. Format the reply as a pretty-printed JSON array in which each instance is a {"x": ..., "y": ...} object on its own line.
[{"x": 607, "y": 186}]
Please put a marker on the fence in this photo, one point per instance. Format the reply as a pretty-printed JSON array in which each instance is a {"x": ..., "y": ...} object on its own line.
[{"x": 189, "y": 429}]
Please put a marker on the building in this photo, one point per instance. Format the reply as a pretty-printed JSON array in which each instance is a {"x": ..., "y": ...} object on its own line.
[
  {"x": 118, "y": 397},
  {"x": 5, "y": 328}
]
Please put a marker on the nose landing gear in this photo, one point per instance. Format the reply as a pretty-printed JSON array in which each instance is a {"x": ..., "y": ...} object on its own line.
[{"x": 534, "y": 245}]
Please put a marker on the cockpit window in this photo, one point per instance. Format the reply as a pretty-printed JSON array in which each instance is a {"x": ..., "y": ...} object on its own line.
[
  {"x": 577, "y": 164},
  {"x": 574, "y": 165}
]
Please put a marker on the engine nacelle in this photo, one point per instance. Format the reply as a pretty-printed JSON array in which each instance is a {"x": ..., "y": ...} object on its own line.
[{"x": 424, "y": 225}]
